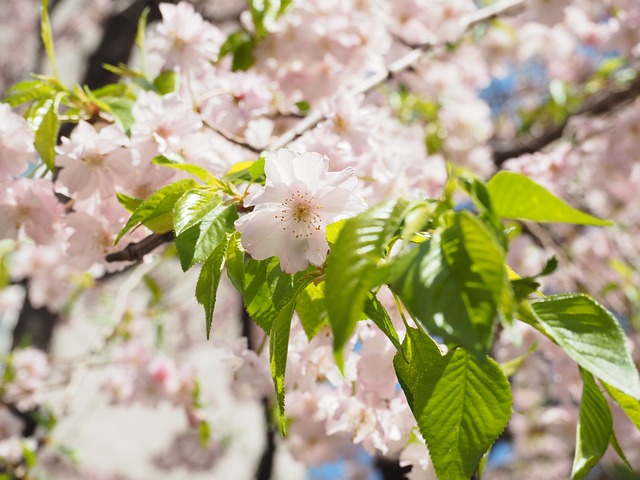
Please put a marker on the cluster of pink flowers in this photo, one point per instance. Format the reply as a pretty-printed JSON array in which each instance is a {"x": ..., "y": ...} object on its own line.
[{"x": 61, "y": 228}]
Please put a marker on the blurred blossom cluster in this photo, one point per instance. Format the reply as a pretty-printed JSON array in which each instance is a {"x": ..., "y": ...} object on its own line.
[{"x": 394, "y": 140}]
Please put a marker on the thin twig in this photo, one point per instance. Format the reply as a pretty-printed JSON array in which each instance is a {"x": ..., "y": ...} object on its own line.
[
  {"x": 231, "y": 137},
  {"x": 599, "y": 103}
]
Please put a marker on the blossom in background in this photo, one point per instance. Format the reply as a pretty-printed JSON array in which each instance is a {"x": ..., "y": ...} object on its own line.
[
  {"x": 184, "y": 39},
  {"x": 30, "y": 370},
  {"x": 300, "y": 198},
  {"x": 16, "y": 142},
  {"x": 93, "y": 162},
  {"x": 29, "y": 208}
]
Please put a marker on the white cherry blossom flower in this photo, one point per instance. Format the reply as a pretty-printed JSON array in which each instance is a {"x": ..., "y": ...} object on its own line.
[{"x": 300, "y": 198}]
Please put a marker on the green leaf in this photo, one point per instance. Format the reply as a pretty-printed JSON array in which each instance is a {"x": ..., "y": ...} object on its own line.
[
  {"x": 208, "y": 282},
  {"x": 140, "y": 33},
  {"x": 28, "y": 91},
  {"x": 278, "y": 351},
  {"x": 376, "y": 312},
  {"x": 312, "y": 309},
  {"x": 121, "y": 110},
  {"x": 511, "y": 366},
  {"x": 113, "y": 91},
  {"x": 419, "y": 215},
  {"x": 630, "y": 405},
  {"x": 240, "y": 44},
  {"x": 613, "y": 441},
  {"x": 231, "y": 44},
  {"x": 196, "y": 242},
  {"x": 453, "y": 283},
  {"x": 192, "y": 207},
  {"x": 594, "y": 428},
  {"x": 279, "y": 344},
  {"x": 128, "y": 202},
  {"x": 243, "y": 57},
  {"x": 46, "y": 136},
  {"x": 284, "y": 5},
  {"x": 235, "y": 261},
  {"x": 283, "y": 285},
  {"x": 172, "y": 161},
  {"x": 591, "y": 336},
  {"x": 156, "y": 212},
  {"x": 482, "y": 199},
  {"x": 357, "y": 251},
  {"x": 166, "y": 82},
  {"x": 515, "y": 196},
  {"x": 461, "y": 404},
  {"x": 46, "y": 35},
  {"x": 246, "y": 171},
  {"x": 257, "y": 294}
]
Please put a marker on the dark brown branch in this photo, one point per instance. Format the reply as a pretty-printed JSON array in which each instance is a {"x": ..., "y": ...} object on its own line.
[
  {"x": 117, "y": 41},
  {"x": 599, "y": 103},
  {"x": 34, "y": 327},
  {"x": 134, "y": 252}
]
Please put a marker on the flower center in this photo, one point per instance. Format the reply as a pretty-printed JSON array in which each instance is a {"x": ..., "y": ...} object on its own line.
[{"x": 300, "y": 209}]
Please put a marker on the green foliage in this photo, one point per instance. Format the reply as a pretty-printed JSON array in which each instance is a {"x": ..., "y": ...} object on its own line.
[
  {"x": 209, "y": 280},
  {"x": 453, "y": 283},
  {"x": 48, "y": 126},
  {"x": 257, "y": 295},
  {"x": 448, "y": 269},
  {"x": 311, "y": 308},
  {"x": 128, "y": 202},
  {"x": 353, "y": 258},
  {"x": 591, "y": 336},
  {"x": 630, "y": 405},
  {"x": 196, "y": 242},
  {"x": 515, "y": 196},
  {"x": 46, "y": 35},
  {"x": 121, "y": 110},
  {"x": 249, "y": 171},
  {"x": 166, "y": 82},
  {"x": 279, "y": 337},
  {"x": 595, "y": 428},
  {"x": 192, "y": 207},
  {"x": 28, "y": 91},
  {"x": 170, "y": 160},
  {"x": 156, "y": 212},
  {"x": 461, "y": 404},
  {"x": 235, "y": 262},
  {"x": 241, "y": 44},
  {"x": 376, "y": 312}
]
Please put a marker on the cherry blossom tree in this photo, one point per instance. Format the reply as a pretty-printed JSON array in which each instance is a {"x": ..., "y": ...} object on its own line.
[{"x": 411, "y": 227}]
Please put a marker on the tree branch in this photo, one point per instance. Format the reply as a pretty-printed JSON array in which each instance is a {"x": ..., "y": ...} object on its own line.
[
  {"x": 117, "y": 41},
  {"x": 600, "y": 103},
  {"x": 134, "y": 252},
  {"x": 231, "y": 137}
]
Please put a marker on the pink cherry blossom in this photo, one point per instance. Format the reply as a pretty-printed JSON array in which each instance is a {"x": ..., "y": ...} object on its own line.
[
  {"x": 29, "y": 208},
  {"x": 300, "y": 198},
  {"x": 30, "y": 369},
  {"x": 16, "y": 142},
  {"x": 93, "y": 162},
  {"x": 184, "y": 39}
]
